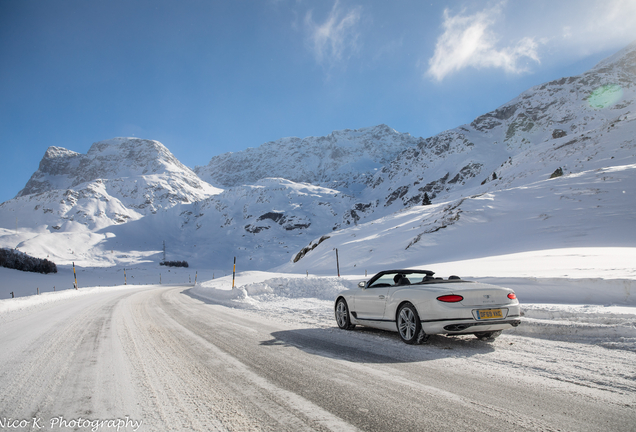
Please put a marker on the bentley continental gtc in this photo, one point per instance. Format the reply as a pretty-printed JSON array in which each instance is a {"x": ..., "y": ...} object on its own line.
[{"x": 416, "y": 304}]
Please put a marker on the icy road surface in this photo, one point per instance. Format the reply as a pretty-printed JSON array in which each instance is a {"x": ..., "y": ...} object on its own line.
[{"x": 165, "y": 359}]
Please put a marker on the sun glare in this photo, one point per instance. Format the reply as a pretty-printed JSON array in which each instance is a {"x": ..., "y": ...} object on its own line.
[{"x": 605, "y": 96}]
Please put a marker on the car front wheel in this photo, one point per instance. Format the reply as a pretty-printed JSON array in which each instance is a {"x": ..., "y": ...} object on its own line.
[
  {"x": 342, "y": 315},
  {"x": 408, "y": 324}
]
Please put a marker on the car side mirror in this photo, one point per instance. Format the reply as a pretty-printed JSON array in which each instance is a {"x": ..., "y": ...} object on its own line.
[{"x": 362, "y": 284}]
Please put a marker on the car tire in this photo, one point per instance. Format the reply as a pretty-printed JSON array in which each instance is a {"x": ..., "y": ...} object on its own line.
[
  {"x": 342, "y": 315},
  {"x": 408, "y": 324},
  {"x": 488, "y": 336}
]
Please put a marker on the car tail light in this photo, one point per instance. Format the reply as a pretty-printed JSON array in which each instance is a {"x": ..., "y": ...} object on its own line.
[
  {"x": 512, "y": 296},
  {"x": 451, "y": 298}
]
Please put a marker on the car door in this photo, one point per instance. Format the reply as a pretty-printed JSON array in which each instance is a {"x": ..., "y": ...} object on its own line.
[{"x": 370, "y": 301}]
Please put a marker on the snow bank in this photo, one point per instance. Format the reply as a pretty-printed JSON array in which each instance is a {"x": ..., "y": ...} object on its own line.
[
  {"x": 21, "y": 303},
  {"x": 28, "y": 284},
  {"x": 325, "y": 288},
  {"x": 608, "y": 326},
  {"x": 594, "y": 291},
  {"x": 254, "y": 288}
]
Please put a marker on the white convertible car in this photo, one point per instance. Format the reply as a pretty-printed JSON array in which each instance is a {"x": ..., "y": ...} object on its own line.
[{"x": 416, "y": 305}]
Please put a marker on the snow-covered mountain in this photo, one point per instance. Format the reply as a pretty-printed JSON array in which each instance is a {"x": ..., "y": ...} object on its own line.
[
  {"x": 564, "y": 123},
  {"x": 343, "y": 159},
  {"x": 552, "y": 168},
  {"x": 117, "y": 180}
]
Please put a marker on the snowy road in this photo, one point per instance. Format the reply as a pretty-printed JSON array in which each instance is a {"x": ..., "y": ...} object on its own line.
[{"x": 162, "y": 357}]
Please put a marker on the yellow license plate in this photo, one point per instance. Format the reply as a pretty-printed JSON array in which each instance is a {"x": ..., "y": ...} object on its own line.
[{"x": 489, "y": 314}]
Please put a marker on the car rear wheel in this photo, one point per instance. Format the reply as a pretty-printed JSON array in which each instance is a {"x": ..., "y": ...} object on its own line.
[
  {"x": 408, "y": 324},
  {"x": 488, "y": 336},
  {"x": 342, "y": 315}
]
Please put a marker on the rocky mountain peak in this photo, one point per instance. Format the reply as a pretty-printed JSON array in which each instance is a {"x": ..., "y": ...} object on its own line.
[
  {"x": 61, "y": 168},
  {"x": 54, "y": 152},
  {"x": 116, "y": 181},
  {"x": 342, "y": 158},
  {"x": 139, "y": 156}
]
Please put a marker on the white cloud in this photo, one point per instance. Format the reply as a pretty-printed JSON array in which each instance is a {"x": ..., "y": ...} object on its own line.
[
  {"x": 597, "y": 26},
  {"x": 333, "y": 40},
  {"x": 469, "y": 41}
]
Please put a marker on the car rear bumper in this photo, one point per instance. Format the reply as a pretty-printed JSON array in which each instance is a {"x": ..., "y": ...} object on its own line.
[
  {"x": 468, "y": 326},
  {"x": 481, "y": 324}
]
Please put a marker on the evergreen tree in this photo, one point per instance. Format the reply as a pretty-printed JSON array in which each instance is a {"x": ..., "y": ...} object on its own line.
[
  {"x": 427, "y": 200},
  {"x": 17, "y": 260}
]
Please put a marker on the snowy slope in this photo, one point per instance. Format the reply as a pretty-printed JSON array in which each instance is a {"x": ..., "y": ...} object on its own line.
[
  {"x": 591, "y": 209},
  {"x": 261, "y": 224}
]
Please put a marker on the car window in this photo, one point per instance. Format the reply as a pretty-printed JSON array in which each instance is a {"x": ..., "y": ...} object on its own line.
[{"x": 384, "y": 281}]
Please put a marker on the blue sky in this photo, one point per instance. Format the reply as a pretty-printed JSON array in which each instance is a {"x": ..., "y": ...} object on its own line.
[{"x": 208, "y": 77}]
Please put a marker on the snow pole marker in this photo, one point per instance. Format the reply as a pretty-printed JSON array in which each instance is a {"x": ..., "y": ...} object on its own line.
[
  {"x": 125, "y": 282},
  {"x": 75, "y": 275},
  {"x": 195, "y": 277},
  {"x": 234, "y": 273},
  {"x": 337, "y": 262}
]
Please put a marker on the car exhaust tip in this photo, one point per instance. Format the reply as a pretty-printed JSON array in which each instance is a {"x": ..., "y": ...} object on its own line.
[{"x": 457, "y": 327}]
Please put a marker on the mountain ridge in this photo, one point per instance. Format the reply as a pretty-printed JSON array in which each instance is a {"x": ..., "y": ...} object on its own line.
[{"x": 340, "y": 159}]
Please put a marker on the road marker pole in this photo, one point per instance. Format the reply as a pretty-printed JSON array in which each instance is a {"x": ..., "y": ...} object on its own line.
[
  {"x": 75, "y": 275},
  {"x": 234, "y": 273}
]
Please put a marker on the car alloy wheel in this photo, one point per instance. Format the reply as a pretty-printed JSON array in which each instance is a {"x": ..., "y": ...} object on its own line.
[
  {"x": 342, "y": 315},
  {"x": 408, "y": 324}
]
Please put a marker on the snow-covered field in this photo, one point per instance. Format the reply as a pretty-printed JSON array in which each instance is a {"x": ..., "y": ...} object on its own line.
[{"x": 577, "y": 342}]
